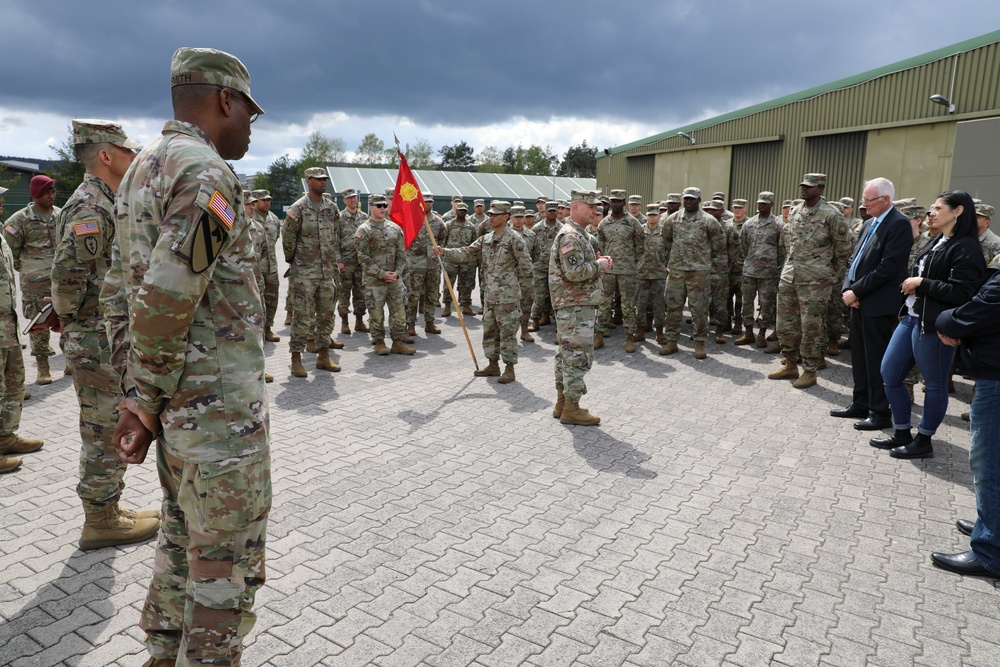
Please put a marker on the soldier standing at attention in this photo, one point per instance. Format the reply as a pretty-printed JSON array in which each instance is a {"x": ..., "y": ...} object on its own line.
[
  {"x": 540, "y": 202},
  {"x": 31, "y": 235},
  {"x": 652, "y": 276},
  {"x": 351, "y": 289},
  {"x": 763, "y": 256},
  {"x": 482, "y": 225},
  {"x": 311, "y": 240},
  {"x": 461, "y": 232},
  {"x": 720, "y": 276},
  {"x": 268, "y": 258},
  {"x": 450, "y": 215},
  {"x": 575, "y": 285},
  {"x": 817, "y": 246},
  {"x": 85, "y": 231},
  {"x": 422, "y": 278},
  {"x": 184, "y": 276},
  {"x": 545, "y": 233},
  {"x": 505, "y": 263},
  {"x": 620, "y": 237},
  {"x": 259, "y": 237},
  {"x": 734, "y": 300},
  {"x": 531, "y": 246},
  {"x": 382, "y": 255}
]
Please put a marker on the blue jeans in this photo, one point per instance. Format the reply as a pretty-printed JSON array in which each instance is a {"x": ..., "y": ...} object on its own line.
[
  {"x": 906, "y": 347},
  {"x": 984, "y": 459}
]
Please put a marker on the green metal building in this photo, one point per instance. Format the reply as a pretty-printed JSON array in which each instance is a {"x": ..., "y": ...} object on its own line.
[{"x": 879, "y": 123}]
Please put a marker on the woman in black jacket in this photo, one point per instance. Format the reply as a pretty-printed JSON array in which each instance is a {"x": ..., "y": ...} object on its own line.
[{"x": 945, "y": 274}]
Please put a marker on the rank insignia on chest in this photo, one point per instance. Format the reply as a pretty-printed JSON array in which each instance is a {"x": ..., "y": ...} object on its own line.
[
  {"x": 566, "y": 248},
  {"x": 84, "y": 228},
  {"x": 221, "y": 208}
]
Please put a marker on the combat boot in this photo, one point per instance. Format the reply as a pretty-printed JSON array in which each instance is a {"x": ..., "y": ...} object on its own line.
[
  {"x": 699, "y": 349},
  {"x": 411, "y": 330},
  {"x": 598, "y": 340},
  {"x": 325, "y": 363},
  {"x": 670, "y": 347},
  {"x": 380, "y": 348},
  {"x": 773, "y": 336},
  {"x": 335, "y": 345},
  {"x": 406, "y": 338},
  {"x": 311, "y": 346},
  {"x": 268, "y": 378},
  {"x": 773, "y": 348},
  {"x": 160, "y": 662},
  {"x": 833, "y": 348},
  {"x": 345, "y": 325},
  {"x": 399, "y": 347},
  {"x": 138, "y": 514},
  {"x": 612, "y": 325},
  {"x": 544, "y": 319},
  {"x": 508, "y": 374},
  {"x": 109, "y": 527},
  {"x": 738, "y": 328},
  {"x": 447, "y": 310},
  {"x": 525, "y": 336},
  {"x": 288, "y": 317},
  {"x": 789, "y": 371},
  {"x": 630, "y": 343},
  {"x": 430, "y": 328},
  {"x": 9, "y": 464},
  {"x": 15, "y": 444},
  {"x": 467, "y": 310},
  {"x": 719, "y": 335},
  {"x": 745, "y": 339},
  {"x": 44, "y": 376},
  {"x": 821, "y": 364},
  {"x": 359, "y": 324},
  {"x": 660, "y": 338},
  {"x": 557, "y": 409},
  {"x": 533, "y": 326},
  {"x": 492, "y": 370},
  {"x": 573, "y": 414},
  {"x": 807, "y": 379},
  {"x": 298, "y": 370},
  {"x": 761, "y": 337},
  {"x": 27, "y": 394},
  {"x": 270, "y": 336},
  {"x": 68, "y": 371},
  {"x": 640, "y": 333}
]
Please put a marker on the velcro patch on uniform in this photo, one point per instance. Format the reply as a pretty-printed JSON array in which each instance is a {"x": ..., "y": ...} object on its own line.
[
  {"x": 10, "y": 229},
  {"x": 566, "y": 248},
  {"x": 85, "y": 227},
  {"x": 357, "y": 234},
  {"x": 221, "y": 208}
]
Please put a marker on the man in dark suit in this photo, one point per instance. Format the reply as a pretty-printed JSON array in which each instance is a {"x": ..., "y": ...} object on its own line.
[{"x": 871, "y": 290}]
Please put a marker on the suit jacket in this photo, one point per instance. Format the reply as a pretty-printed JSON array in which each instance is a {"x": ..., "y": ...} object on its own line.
[{"x": 883, "y": 265}]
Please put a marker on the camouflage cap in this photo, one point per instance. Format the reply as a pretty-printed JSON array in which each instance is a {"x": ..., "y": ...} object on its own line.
[
  {"x": 517, "y": 209},
  {"x": 349, "y": 192},
  {"x": 191, "y": 66},
  {"x": 742, "y": 203},
  {"x": 920, "y": 211},
  {"x": 428, "y": 197},
  {"x": 248, "y": 197},
  {"x": 673, "y": 198},
  {"x": 587, "y": 196},
  {"x": 517, "y": 202},
  {"x": 721, "y": 196},
  {"x": 635, "y": 199},
  {"x": 985, "y": 210},
  {"x": 462, "y": 206},
  {"x": 847, "y": 201},
  {"x": 786, "y": 204},
  {"x": 316, "y": 172},
  {"x": 713, "y": 205},
  {"x": 261, "y": 194},
  {"x": 765, "y": 197},
  {"x": 905, "y": 203},
  {"x": 562, "y": 203},
  {"x": 93, "y": 131},
  {"x": 456, "y": 198},
  {"x": 551, "y": 205},
  {"x": 541, "y": 198},
  {"x": 813, "y": 180},
  {"x": 663, "y": 206},
  {"x": 376, "y": 199},
  {"x": 390, "y": 192},
  {"x": 618, "y": 194},
  {"x": 479, "y": 202},
  {"x": 530, "y": 212},
  {"x": 498, "y": 207},
  {"x": 652, "y": 209},
  {"x": 691, "y": 193}
]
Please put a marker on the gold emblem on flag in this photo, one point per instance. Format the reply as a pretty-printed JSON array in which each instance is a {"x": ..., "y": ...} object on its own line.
[{"x": 409, "y": 192}]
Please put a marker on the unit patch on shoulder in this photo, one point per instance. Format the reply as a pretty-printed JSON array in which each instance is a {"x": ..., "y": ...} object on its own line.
[
  {"x": 222, "y": 210},
  {"x": 85, "y": 227}
]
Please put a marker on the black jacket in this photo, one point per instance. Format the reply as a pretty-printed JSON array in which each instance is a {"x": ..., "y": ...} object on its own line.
[
  {"x": 977, "y": 325},
  {"x": 882, "y": 267},
  {"x": 951, "y": 276}
]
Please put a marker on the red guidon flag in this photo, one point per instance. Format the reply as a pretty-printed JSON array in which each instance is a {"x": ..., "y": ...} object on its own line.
[{"x": 407, "y": 203}]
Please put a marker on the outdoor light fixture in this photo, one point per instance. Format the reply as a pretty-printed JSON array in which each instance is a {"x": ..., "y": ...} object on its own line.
[
  {"x": 686, "y": 136},
  {"x": 943, "y": 101}
]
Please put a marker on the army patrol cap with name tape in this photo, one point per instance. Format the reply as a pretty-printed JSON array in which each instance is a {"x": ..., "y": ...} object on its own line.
[
  {"x": 376, "y": 199},
  {"x": 193, "y": 66},
  {"x": 814, "y": 180},
  {"x": 347, "y": 193},
  {"x": 260, "y": 194},
  {"x": 618, "y": 195},
  {"x": 562, "y": 203},
  {"x": 720, "y": 196},
  {"x": 462, "y": 206},
  {"x": 691, "y": 193},
  {"x": 847, "y": 201},
  {"x": 551, "y": 205},
  {"x": 713, "y": 205},
  {"x": 740, "y": 203},
  {"x": 479, "y": 202},
  {"x": 652, "y": 209},
  {"x": 456, "y": 198},
  {"x": 95, "y": 131},
  {"x": 985, "y": 210},
  {"x": 428, "y": 197},
  {"x": 786, "y": 204},
  {"x": 635, "y": 199},
  {"x": 498, "y": 207},
  {"x": 587, "y": 196},
  {"x": 765, "y": 197},
  {"x": 316, "y": 172},
  {"x": 248, "y": 197},
  {"x": 673, "y": 198}
]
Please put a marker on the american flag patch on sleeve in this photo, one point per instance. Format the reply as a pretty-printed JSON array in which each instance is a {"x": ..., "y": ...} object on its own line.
[
  {"x": 221, "y": 208},
  {"x": 84, "y": 228},
  {"x": 566, "y": 248},
  {"x": 10, "y": 229}
]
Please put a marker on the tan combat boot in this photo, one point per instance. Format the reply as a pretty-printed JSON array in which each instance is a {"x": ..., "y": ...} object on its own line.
[
  {"x": 345, "y": 325},
  {"x": 738, "y": 327},
  {"x": 492, "y": 370},
  {"x": 411, "y": 329},
  {"x": 399, "y": 347},
  {"x": 288, "y": 317},
  {"x": 699, "y": 349},
  {"x": 773, "y": 348},
  {"x": 807, "y": 380},
  {"x": 761, "y": 337},
  {"x": 447, "y": 310},
  {"x": 298, "y": 370},
  {"x": 833, "y": 348},
  {"x": 525, "y": 336},
  {"x": 44, "y": 375},
  {"x": 429, "y": 327},
  {"x": 533, "y": 326},
  {"x": 745, "y": 339},
  {"x": 508, "y": 374},
  {"x": 311, "y": 346},
  {"x": 380, "y": 348},
  {"x": 572, "y": 413},
  {"x": 139, "y": 514},
  {"x": 670, "y": 347},
  {"x": 270, "y": 336},
  {"x": 630, "y": 343},
  {"x": 359, "y": 324},
  {"x": 325, "y": 363},
  {"x": 821, "y": 364},
  {"x": 15, "y": 444},
  {"x": 598, "y": 340},
  {"x": 160, "y": 662},
  {"x": 660, "y": 338},
  {"x": 557, "y": 409},
  {"x": 9, "y": 464},
  {"x": 467, "y": 310},
  {"x": 789, "y": 371},
  {"x": 719, "y": 334},
  {"x": 544, "y": 320},
  {"x": 268, "y": 378},
  {"x": 109, "y": 527},
  {"x": 335, "y": 345},
  {"x": 640, "y": 332}
]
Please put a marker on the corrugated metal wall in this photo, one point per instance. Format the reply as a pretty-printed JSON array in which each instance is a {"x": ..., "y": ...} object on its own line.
[
  {"x": 755, "y": 169},
  {"x": 897, "y": 98}
]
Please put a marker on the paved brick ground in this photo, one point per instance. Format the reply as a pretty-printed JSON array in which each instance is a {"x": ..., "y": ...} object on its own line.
[{"x": 426, "y": 517}]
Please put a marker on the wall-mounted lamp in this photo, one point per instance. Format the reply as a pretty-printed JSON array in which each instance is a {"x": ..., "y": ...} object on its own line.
[
  {"x": 943, "y": 101},
  {"x": 607, "y": 152},
  {"x": 686, "y": 136}
]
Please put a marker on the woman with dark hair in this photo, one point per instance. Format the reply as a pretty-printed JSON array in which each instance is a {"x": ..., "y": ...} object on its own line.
[{"x": 946, "y": 273}]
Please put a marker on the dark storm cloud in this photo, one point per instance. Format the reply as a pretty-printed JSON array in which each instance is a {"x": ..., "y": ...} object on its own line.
[{"x": 465, "y": 63}]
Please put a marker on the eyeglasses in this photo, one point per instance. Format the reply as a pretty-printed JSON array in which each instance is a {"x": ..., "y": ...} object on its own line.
[
  {"x": 243, "y": 98},
  {"x": 380, "y": 205},
  {"x": 869, "y": 201}
]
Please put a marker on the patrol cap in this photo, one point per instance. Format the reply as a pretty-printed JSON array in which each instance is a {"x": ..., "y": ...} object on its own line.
[
  {"x": 562, "y": 203},
  {"x": 691, "y": 193},
  {"x": 316, "y": 172},
  {"x": 551, "y": 205},
  {"x": 635, "y": 199},
  {"x": 498, "y": 207},
  {"x": 260, "y": 194},
  {"x": 517, "y": 202},
  {"x": 985, "y": 210},
  {"x": 456, "y": 198},
  {"x": 618, "y": 195},
  {"x": 765, "y": 197},
  {"x": 517, "y": 209},
  {"x": 530, "y": 212},
  {"x": 462, "y": 206},
  {"x": 813, "y": 180},
  {"x": 587, "y": 196},
  {"x": 720, "y": 196},
  {"x": 248, "y": 197},
  {"x": 479, "y": 202},
  {"x": 376, "y": 199},
  {"x": 191, "y": 66},
  {"x": 674, "y": 198},
  {"x": 349, "y": 192},
  {"x": 977, "y": 201},
  {"x": 541, "y": 198},
  {"x": 663, "y": 206},
  {"x": 652, "y": 209},
  {"x": 428, "y": 197},
  {"x": 786, "y": 204},
  {"x": 39, "y": 185},
  {"x": 390, "y": 192},
  {"x": 920, "y": 211},
  {"x": 909, "y": 201},
  {"x": 94, "y": 131},
  {"x": 742, "y": 203},
  {"x": 847, "y": 201},
  {"x": 713, "y": 205}
]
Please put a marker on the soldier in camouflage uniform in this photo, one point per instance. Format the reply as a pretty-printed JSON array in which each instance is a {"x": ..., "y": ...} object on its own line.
[
  {"x": 763, "y": 256},
  {"x": 853, "y": 223},
  {"x": 652, "y": 275},
  {"x": 450, "y": 215},
  {"x": 734, "y": 299},
  {"x": 695, "y": 247},
  {"x": 505, "y": 263},
  {"x": 181, "y": 283},
  {"x": 422, "y": 276},
  {"x": 482, "y": 224},
  {"x": 545, "y": 232},
  {"x": 31, "y": 235},
  {"x": 518, "y": 224},
  {"x": 311, "y": 240},
  {"x": 989, "y": 241},
  {"x": 351, "y": 283},
  {"x": 85, "y": 229},
  {"x": 11, "y": 365},
  {"x": 575, "y": 286},
  {"x": 540, "y": 202},
  {"x": 460, "y": 233},
  {"x": 817, "y": 245},
  {"x": 382, "y": 255},
  {"x": 720, "y": 277},
  {"x": 620, "y": 237},
  {"x": 268, "y": 258}
]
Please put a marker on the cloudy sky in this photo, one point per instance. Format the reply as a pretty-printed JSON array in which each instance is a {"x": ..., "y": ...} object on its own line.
[{"x": 490, "y": 73}]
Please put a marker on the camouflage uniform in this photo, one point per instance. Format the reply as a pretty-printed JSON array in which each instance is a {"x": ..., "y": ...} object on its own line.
[
  {"x": 990, "y": 243},
  {"x": 817, "y": 245},
  {"x": 482, "y": 225},
  {"x": 311, "y": 240},
  {"x": 505, "y": 262},
  {"x": 764, "y": 254},
  {"x": 11, "y": 360},
  {"x": 184, "y": 275},
  {"x": 32, "y": 240},
  {"x": 623, "y": 240},
  {"x": 462, "y": 276},
  {"x": 268, "y": 262},
  {"x": 734, "y": 297},
  {"x": 652, "y": 274},
  {"x": 527, "y": 279},
  {"x": 576, "y": 291},
  {"x": 695, "y": 246},
  {"x": 351, "y": 283},
  {"x": 380, "y": 248},
  {"x": 545, "y": 233},
  {"x": 422, "y": 275}
]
